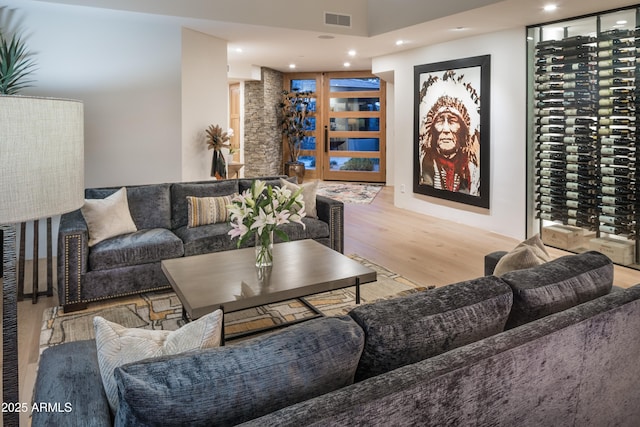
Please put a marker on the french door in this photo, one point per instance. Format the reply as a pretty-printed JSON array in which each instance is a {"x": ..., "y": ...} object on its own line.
[{"x": 346, "y": 137}]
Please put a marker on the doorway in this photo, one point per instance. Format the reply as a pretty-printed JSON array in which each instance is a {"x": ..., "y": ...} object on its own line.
[{"x": 346, "y": 136}]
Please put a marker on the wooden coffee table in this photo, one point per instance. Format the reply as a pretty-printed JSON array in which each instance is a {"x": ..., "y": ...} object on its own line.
[{"x": 230, "y": 281}]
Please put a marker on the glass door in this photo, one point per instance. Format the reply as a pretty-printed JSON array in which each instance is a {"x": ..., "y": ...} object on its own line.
[
  {"x": 346, "y": 134},
  {"x": 354, "y": 131},
  {"x": 310, "y": 152}
]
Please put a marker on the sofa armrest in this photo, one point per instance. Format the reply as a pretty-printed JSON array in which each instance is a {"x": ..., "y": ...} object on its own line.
[
  {"x": 490, "y": 261},
  {"x": 332, "y": 212},
  {"x": 69, "y": 381},
  {"x": 73, "y": 253}
]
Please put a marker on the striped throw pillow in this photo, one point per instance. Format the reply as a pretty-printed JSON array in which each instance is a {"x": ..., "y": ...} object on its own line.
[{"x": 207, "y": 210}]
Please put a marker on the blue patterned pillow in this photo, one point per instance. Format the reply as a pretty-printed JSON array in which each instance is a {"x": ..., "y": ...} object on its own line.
[{"x": 233, "y": 384}]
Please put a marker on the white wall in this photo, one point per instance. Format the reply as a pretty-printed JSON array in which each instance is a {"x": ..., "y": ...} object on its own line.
[
  {"x": 205, "y": 99},
  {"x": 506, "y": 215}
]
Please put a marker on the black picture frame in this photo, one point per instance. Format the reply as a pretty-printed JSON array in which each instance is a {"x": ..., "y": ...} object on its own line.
[{"x": 452, "y": 103}]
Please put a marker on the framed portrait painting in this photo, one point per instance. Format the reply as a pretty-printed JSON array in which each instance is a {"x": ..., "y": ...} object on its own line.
[{"x": 451, "y": 130}]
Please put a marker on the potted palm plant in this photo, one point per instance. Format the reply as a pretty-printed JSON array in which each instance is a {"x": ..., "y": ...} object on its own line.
[
  {"x": 15, "y": 65},
  {"x": 294, "y": 123}
]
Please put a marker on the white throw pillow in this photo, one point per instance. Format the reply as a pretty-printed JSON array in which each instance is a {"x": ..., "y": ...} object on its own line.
[
  {"x": 108, "y": 217},
  {"x": 309, "y": 190},
  {"x": 529, "y": 253},
  {"x": 118, "y": 345}
]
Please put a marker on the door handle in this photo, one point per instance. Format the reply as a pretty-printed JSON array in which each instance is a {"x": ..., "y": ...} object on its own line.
[{"x": 326, "y": 139}]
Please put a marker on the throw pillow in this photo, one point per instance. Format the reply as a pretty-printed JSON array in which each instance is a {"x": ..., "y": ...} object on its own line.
[
  {"x": 309, "y": 190},
  {"x": 207, "y": 210},
  {"x": 118, "y": 345},
  {"x": 236, "y": 383},
  {"x": 529, "y": 253},
  {"x": 108, "y": 217}
]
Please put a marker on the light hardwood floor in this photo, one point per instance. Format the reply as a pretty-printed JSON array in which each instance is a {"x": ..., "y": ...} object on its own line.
[{"x": 426, "y": 250}]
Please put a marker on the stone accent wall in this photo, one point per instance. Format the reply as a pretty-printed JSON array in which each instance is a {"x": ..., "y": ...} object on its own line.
[{"x": 262, "y": 137}]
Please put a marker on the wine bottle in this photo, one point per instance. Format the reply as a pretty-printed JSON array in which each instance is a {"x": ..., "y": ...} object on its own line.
[
  {"x": 573, "y": 50},
  {"x": 550, "y": 129},
  {"x": 577, "y": 84},
  {"x": 615, "y": 111},
  {"x": 615, "y": 210},
  {"x": 614, "y": 220},
  {"x": 550, "y": 216},
  {"x": 551, "y": 173},
  {"x": 551, "y": 155},
  {"x": 548, "y": 78},
  {"x": 583, "y": 188},
  {"x": 579, "y": 66},
  {"x": 549, "y": 103},
  {"x": 620, "y": 200},
  {"x": 549, "y": 60},
  {"x": 551, "y": 191},
  {"x": 613, "y": 150},
  {"x": 550, "y": 86},
  {"x": 614, "y": 131},
  {"x": 549, "y": 120},
  {"x": 577, "y": 130},
  {"x": 616, "y": 82},
  {"x": 580, "y": 168},
  {"x": 617, "y": 141},
  {"x": 614, "y": 191},
  {"x": 551, "y": 164},
  {"x": 616, "y": 171},
  {"x": 612, "y": 229},
  {"x": 583, "y": 111},
  {"x": 616, "y": 72},
  {"x": 615, "y": 42},
  {"x": 575, "y": 40},
  {"x": 572, "y": 121},
  {"x": 578, "y": 149},
  {"x": 575, "y": 222},
  {"x": 551, "y": 50},
  {"x": 578, "y": 57},
  {"x": 611, "y": 102},
  {"x": 584, "y": 179},
  {"x": 579, "y": 158},
  {"x": 550, "y": 95},
  {"x": 577, "y": 94},
  {"x": 550, "y": 112},
  {"x": 550, "y": 147},
  {"x": 615, "y": 180},
  {"x": 580, "y": 205},
  {"x": 618, "y": 161},
  {"x": 579, "y": 76},
  {"x": 615, "y": 121},
  {"x": 616, "y": 62},
  {"x": 616, "y": 53},
  {"x": 615, "y": 92},
  {"x": 549, "y": 138}
]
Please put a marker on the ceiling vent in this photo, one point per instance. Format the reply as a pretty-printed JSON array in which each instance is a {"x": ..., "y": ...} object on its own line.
[{"x": 337, "y": 19}]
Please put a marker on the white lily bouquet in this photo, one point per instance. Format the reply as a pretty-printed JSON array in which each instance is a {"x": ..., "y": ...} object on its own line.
[{"x": 259, "y": 211}]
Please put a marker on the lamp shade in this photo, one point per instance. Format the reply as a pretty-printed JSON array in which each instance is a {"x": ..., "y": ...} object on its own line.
[{"x": 41, "y": 157}]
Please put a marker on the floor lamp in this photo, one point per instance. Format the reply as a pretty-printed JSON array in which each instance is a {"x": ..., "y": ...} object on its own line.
[{"x": 41, "y": 175}]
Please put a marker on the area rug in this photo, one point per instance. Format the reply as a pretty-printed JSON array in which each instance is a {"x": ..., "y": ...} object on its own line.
[
  {"x": 162, "y": 310},
  {"x": 349, "y": 192}
]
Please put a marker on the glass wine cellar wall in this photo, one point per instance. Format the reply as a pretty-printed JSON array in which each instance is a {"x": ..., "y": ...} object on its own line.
[{"x": 583, "y": 87}]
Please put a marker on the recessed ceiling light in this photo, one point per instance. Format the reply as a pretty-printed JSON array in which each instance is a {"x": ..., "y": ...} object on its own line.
[
  {"x": 347, "y": 64},
  {"x": 621, "y": 22},
  {"x": 550, "y": 7},
  {"x": 292, "y": 66},
  {"x": 399, "y": 42},
  {"x": 352, "y": 52},
  {"x": 459, "y": 28},
  {"x": 326, "y": 37}
]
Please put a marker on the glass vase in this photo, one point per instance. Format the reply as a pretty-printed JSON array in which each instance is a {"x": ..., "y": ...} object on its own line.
[{"x": 264, "y": 249}]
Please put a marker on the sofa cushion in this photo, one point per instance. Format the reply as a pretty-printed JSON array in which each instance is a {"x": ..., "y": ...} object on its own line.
[
  {"x": 180, "y": 191},
  {"x": 309, "y": 190},
  {"x": 117, "y": 345},
  {"x": 239, "y": 382},
  {"x": 557, "y": 285},
  {"x": 141, "y": 247},
  {"x": 150, "y": 205},
  {"x": 405, "y": 330},
  {"x": 108, "y": 217},
  {"x": 205, "y": 239},
  {"x": 207, "y": 210},
  {"x": 527, "y": 254}
]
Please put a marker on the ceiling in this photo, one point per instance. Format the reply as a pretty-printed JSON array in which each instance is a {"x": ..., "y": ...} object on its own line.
[{"x": 278, "y": 33}]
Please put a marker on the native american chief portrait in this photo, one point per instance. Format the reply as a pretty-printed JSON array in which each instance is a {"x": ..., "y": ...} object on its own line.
[{"x": 449, "y": 132}]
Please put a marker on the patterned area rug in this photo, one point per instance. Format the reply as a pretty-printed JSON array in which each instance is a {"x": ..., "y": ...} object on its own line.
[
  {"x": 162, "y": 310},
  {"x": 349, "y": 192}
]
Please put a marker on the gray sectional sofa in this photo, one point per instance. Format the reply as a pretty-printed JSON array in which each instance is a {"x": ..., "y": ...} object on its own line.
[
  {"x": 444, "y": 357},
  {"x": 130, "y": 264}
]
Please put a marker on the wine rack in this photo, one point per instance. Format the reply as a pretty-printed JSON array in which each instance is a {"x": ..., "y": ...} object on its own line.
[{"x": 584, "y": 139}]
